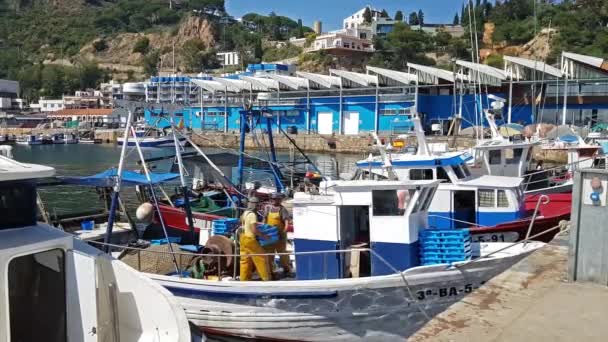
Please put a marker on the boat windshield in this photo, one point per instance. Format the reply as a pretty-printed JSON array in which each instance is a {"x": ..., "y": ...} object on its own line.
[{"x": 17, "y": 204}]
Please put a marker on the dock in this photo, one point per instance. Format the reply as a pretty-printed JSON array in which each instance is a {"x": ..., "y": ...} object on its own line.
[{"x": 532, "y": 301}]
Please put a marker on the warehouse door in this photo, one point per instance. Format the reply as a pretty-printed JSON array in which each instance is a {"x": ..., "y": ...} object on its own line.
[
  {"x": 351, "y": 123},
  {"x": 325, "y": 123}
]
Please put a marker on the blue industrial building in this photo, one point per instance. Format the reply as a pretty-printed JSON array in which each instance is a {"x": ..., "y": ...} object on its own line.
[{"x": 383, "y": 101}]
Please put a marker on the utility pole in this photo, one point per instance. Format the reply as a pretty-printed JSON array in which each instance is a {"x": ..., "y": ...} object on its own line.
[{"x": 170, "y": 4}]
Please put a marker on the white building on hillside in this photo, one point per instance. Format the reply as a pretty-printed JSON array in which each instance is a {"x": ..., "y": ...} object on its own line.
[
  {"x": 343, "y": 41},
  {"x": 356, "y": 19},
  {"x": 228, "y": 58},
  {"x": 47, "y": 105}
]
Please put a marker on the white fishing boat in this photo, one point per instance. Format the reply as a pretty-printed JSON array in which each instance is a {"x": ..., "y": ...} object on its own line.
[
  {"x": 359, "y": 271},
  {"x": 29, "y": 140},
  {"x": 57, "y": 288},
  {"x": 70, "y": 138},
  {"x": 152, "y": 139}
]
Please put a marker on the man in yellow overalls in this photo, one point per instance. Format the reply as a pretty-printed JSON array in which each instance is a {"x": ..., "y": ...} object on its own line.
[
  {"x": 276, "y": 215},
  {"x": 249, "y": 244}
]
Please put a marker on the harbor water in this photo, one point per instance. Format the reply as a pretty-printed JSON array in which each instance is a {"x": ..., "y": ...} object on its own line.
[{"x": 86, "y": 160}]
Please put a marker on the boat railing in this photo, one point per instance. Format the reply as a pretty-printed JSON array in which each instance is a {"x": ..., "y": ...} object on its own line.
[
  {"x": 553, "y": 172},
  {"x": 544, "y": 200}
]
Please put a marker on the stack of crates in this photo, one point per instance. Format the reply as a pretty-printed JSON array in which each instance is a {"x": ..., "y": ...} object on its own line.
[
  {"x": 225, "y": 226},
  {"x": 441, "y": 246},
  {"x": 271, "y": 231}
]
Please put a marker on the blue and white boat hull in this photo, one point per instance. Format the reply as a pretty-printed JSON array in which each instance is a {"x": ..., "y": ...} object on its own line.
[{"x": 380, "y": 308}]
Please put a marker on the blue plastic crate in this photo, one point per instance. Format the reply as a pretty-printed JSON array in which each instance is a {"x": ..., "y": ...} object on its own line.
[
  {"x": 445, "y": 244},
  {"x": 444, "y": 233},
  {"x": 445, "y": 250},
  {"x": 165, "y": 241}
]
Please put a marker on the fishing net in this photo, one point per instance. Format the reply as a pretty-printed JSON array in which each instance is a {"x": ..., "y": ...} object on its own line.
[{"x": 156, "y": 259}]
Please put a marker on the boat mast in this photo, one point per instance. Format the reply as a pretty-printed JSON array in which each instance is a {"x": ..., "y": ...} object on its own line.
[
  {"x": 182, "y": 178},
  {"x": 114, "y": 202}
]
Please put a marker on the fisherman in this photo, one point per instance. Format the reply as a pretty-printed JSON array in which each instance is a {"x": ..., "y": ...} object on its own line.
[
  {"x": 276, "y": 215},
  {"x": 250, "y": 245},
  {"x": 253, "y": 192}
]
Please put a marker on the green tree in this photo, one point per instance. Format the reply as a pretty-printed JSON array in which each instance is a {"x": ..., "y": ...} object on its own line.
[
  {"x": 402, "y": 45},
  {"x": 300, "y": 32},
  {"x": 399, "y": 15},
  {"x": 142, "y": 45},
  {"x": 420, "y": 17},
  {"x": 384, "y": 14},
  {"x": 192, "y": 55},
  {"x": 150, "y": 63},
  {"x": 456, "y": 19},
  {"x": 413, "y": 20},
  {"x": 367, "y": 15},
  {"x": 53, "y": 81},
  {"x": 90, "y": 75}
]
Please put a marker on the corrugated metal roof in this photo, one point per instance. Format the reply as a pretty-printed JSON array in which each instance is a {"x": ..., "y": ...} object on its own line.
[
  {"x": 290, "y": 81},
  {"x": 214, "y": 86},
  {"x": 355, "y": 77},
  {"x": 513, "y": 67},
  {"x": 431, "y": 75},
  {"x": 589, "y": 60},
  {"x": 325, "y": 81},
  {"x": 260, "y": 83},
  {"x": 482, "y": 73},
  {"x": 397, "y": 76}
]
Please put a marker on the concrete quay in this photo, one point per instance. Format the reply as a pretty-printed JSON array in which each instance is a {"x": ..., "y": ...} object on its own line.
[{"x": 532, "y": 301}]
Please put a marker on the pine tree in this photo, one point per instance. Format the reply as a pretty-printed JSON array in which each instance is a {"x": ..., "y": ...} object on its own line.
[
  {"x": 398, "y": 16},
  {"x": 456, "y": 19},
  {"x": 420, "y": 18},
  {"x": 367, "y": 15},
  {"x": 300, "y": 29},
  {"x": 384, "y": 14},
  {"x": 413, "y": 20}
]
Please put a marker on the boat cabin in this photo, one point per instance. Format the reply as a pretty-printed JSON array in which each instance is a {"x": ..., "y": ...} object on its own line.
[
  {"x": 504, "y": 157},
  {"x": 56, "y": 288},
  {"x": 384, "y": 216}
]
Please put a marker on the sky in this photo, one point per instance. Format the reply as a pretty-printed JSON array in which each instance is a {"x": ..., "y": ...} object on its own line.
[{"x": 332, "y": 12}]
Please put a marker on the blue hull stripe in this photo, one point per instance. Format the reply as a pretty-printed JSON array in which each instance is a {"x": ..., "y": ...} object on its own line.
[
  {"x": 195, "y": 293},
  {"x": 456, "y": 160}
]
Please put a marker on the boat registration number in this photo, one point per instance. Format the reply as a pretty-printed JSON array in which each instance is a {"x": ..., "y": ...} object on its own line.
[
  {"x": 498, "y": 237},
  {"x": 441, "y": 292}
]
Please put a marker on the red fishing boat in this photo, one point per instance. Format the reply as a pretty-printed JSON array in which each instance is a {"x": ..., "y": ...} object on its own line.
[{"x": 550, "y": 213}]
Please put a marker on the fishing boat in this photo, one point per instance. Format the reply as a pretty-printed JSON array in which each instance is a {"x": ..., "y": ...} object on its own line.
[
  {"x": 7, "y": 139},
  {"x": 464, "y": 200},
  {"x": 31, "y": 139},
  {"x": 57, "y": 288},
  {"x": 70, "y": 138},
  {"x": 361, "y": 272},
  {"x": 153, "y": 139}
]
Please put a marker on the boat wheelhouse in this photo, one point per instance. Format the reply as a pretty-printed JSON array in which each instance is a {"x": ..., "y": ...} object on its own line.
[
  {"x": 462, "y": 200},
  {"x": 501, "y": 156}
]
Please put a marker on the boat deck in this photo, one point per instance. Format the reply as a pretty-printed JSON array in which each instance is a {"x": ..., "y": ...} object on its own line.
[{"x": 532, "y": 301}]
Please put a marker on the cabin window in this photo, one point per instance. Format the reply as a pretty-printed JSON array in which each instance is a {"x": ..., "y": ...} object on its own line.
[
  {"x": 421, "y": 174},
  {"x": 429, "y": 198},
  {"x": 503, "y": 201},
  {"x": 17, "y": 205},
  {"x": 529, "y": 155},
  {"x": 495, "y": 157},
  {"x": 513, "y": 156},
  {"x": 441, "y": 174},
  {"x": 485, "y": 198},
  {"x": 391, "y": 202},
  {"x": 465, "y": 169},
  {"x": 36, "y": 294},
  {"x": 458, "y": 172}
]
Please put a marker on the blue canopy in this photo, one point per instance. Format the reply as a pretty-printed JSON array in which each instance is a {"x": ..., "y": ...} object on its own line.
[{"x": 107, "y": 178}]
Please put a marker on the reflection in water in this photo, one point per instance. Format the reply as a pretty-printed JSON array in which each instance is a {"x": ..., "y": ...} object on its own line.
[{"x": 85, "y": 160}]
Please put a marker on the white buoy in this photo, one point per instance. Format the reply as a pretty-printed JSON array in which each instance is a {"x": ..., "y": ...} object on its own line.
[{"x": 145, "y": 213}]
